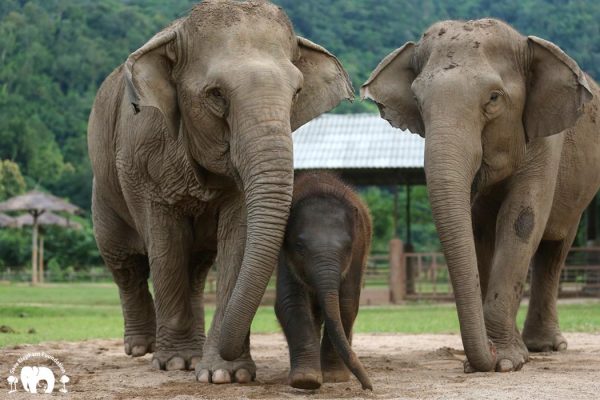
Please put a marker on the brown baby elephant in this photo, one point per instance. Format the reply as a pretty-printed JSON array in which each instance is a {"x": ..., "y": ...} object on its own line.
[{"x": 319, "y": 278}]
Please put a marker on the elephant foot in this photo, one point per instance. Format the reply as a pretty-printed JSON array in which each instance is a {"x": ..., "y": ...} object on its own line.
[
  {"x": 139, "y": 345},
  {"x": 176, "y": 360},
  {"x": 544, "y": 340},
  {"x": 338, "y": 375},
  {"x": 305, "y": 378},
  {"x": 509, "y": 357},
  {"x": 213, "y": 369},
  {"x": 512, "y": 356}
]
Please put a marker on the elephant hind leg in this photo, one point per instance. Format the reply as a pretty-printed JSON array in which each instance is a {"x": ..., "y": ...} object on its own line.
[
  {"x": 120, "y": 247},
  {"x": 541, "y": 331}
]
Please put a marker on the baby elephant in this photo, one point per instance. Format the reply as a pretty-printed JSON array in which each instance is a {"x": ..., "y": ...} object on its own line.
[{"x": 319, "y": 279}]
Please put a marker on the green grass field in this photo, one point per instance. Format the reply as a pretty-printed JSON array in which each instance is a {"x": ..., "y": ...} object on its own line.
[{"x": 85, "y": 311}]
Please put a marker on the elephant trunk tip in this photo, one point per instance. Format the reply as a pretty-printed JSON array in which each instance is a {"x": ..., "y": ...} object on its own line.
[{"x": 473, "y": 364}]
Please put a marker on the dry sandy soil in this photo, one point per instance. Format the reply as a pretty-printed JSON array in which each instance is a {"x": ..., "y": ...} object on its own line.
[{"x": 400, "y": 366}]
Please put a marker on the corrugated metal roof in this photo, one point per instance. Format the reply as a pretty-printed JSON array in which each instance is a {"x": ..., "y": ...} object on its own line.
[{"x": 335, "y": 141}]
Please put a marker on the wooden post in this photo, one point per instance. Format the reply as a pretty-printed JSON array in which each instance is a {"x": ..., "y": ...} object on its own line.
[
  {"x": 34, "y": 247},
  {"x": 397, "y": 272},
  {"x": 41, "y": 260}
]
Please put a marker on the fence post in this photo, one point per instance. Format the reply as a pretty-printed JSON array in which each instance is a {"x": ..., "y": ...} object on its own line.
[{"x": 397, "y": 272}]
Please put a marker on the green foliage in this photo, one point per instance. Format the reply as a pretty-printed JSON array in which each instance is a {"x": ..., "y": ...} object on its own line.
[
  {"x": 12, "y": 182},
  {"x": 423, "y": 235},
  {"x": 54, "y": 54}
]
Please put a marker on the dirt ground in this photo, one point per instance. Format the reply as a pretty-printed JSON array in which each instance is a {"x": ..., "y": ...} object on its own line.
[{"x": 400, "y": 366}]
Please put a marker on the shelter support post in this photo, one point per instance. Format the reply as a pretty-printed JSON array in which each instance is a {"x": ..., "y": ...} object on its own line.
[{"x": 397, "y": 271}]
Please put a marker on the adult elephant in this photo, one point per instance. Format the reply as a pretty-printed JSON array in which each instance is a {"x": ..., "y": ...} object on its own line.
[
  {"x": 512, "y": 158},
  {"x": 191, "y": 148}
]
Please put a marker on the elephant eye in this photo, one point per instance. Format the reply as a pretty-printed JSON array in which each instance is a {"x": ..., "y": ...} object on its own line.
[
  {"x": 495, "y": 96},
  {"x": 216, "y": 92}
]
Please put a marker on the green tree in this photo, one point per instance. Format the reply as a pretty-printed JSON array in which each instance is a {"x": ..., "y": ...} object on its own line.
[{"x": 11, "y": 180}]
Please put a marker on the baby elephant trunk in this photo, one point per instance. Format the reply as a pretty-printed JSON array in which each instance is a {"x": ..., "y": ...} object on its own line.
[{"x": 328, "y": 295}]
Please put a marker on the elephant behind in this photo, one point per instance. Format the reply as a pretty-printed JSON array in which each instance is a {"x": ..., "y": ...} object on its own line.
[
  {"x": 512, "y": 158},
  {"x": 319, "y": 279},
  {"x": 190, "y": 144}
]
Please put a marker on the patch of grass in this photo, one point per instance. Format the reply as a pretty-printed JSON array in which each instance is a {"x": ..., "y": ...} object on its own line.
[{"x": 86, "y": 311}]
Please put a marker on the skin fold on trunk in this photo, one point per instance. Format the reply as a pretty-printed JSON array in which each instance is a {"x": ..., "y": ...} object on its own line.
[
  {"x": 267, "y": 175},
  {"x": 450, "y": 168},
  {"x": 329, "y": 300}
]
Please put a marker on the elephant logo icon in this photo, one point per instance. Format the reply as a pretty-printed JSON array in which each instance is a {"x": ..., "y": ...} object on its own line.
[
  {"x": 36, "y": 379},
  {"x": 32, "y": 376}
]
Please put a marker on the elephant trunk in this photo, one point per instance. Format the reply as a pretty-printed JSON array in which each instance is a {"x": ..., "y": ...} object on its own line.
[
  {"x": 262, "y": 155},
  {"x": 451, "y": 163},
  {"x": 326, "y": 281}
]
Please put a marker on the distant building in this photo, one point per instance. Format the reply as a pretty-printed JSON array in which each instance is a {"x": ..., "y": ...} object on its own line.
[{"x": 363, "y": 148}]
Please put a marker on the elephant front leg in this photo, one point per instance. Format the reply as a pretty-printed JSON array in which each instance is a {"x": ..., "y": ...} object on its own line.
[
  {"x": 179, "y": 340},
  {"x": 293, "y": 310},
  {"x": 541, "y": 331},
  {"x": 518, "y": 235},
  {"x": 131, "y": 276},
  {"x": 230, "y": 252}
]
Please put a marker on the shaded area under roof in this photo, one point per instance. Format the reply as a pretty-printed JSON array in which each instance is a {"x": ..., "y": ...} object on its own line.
[{"x": 363, "y": 148}]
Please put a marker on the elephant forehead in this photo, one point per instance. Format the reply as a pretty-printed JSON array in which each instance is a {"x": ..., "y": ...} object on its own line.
[
  {"x": 471, "y": 38},
  {"x": 229, "y": 19}
]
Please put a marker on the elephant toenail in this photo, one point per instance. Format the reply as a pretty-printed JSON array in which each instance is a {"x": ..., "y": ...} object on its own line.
[
  {"x": 127, "y": 349},
  {"x": 221, "y": 376},
  {"x": 505, "y": 366},
  {"x": 204, "y": 376},
  {"x": 138, "y": 351},
  {"x": 193, "y": 362},
  {"x": 468, "y": 369},
  {"x": 243, "y": 376},
  {"x": 156, "y": 363},
  {"x": 176, "y": 364},
  {"x": 561, "y": 346}
]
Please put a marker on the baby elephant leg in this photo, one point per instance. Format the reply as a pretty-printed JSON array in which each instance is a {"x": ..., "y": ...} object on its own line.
[{"x": 295, "y": 316}]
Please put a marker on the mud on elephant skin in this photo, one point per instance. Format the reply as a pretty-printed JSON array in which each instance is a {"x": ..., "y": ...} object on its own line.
[
  {"x": 190, "y": 143},
  {"x": 512, "y": 158},
  {"x": 319, "y": 279}
]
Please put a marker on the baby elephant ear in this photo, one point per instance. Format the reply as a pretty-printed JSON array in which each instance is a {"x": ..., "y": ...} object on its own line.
[
  {"x": 148, "y": 77},
  {"x": 557, "y": 89},
  {"x": 326, "y": 83},
  {"x": 390, "y": 87}
]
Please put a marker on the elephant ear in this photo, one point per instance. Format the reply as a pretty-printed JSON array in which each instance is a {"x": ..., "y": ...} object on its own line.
[
  {"x": 148, "y": 77},
  {"x": 556, "y": 90},
  {"x": 326, "y": 83},
  {"x": 390, "y": 87}
]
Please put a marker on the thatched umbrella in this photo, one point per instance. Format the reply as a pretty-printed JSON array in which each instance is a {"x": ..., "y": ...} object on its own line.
[
  {"x": 7, "y": 222},
  {"x": 46, "y": 218},
  {"x": 36, "y": 203}
]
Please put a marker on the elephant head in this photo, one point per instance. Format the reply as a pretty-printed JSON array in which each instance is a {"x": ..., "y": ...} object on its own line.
[
  {"x": 232, "y": 81},
  {"x": 31, "y": 376},
  {"x": 478, "y": 92}
]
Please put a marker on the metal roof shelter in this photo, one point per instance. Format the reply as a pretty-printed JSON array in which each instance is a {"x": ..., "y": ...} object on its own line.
[{"x": 363, "y": 148}]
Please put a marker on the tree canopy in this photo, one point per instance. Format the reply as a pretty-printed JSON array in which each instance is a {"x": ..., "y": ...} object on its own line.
[{"x": 54, "y": 54}]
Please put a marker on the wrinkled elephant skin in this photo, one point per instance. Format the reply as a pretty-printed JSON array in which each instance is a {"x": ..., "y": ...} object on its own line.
[
  {"x": 319, "y": 278},
  {"x": 512, "y": 159},
  {"x": 191, "y": 148}
]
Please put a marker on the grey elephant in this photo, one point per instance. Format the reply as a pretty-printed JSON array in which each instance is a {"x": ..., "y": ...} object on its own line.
[
  {"x": 319, "y": 279},
  {"x": 191, "y": 149},
  {"x": 512, "y": 158}
]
